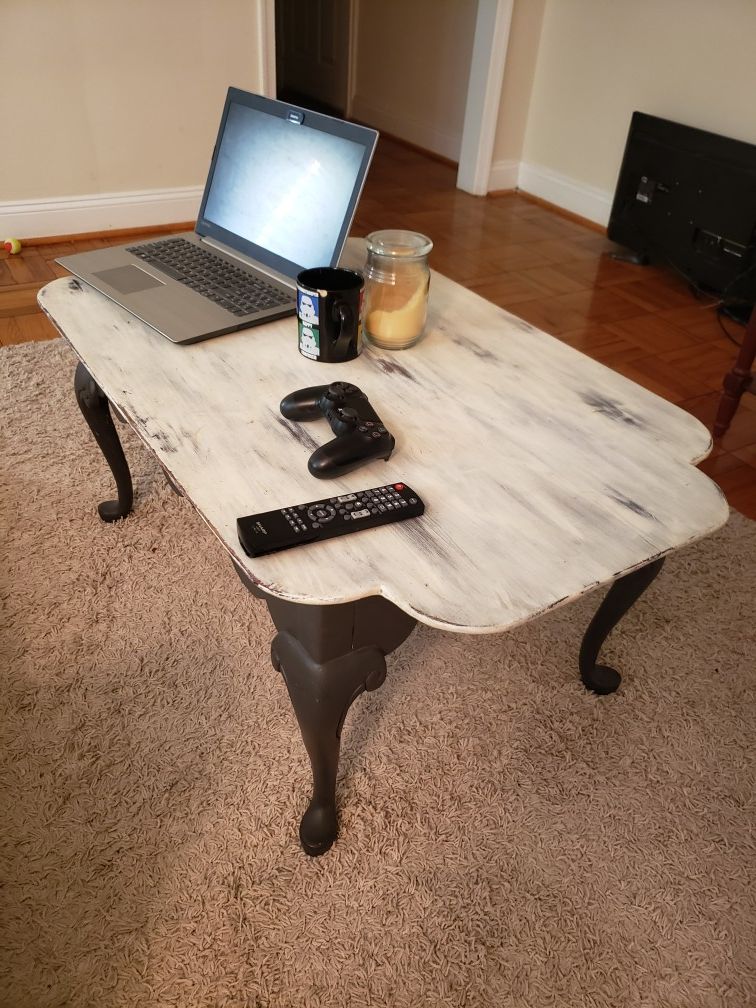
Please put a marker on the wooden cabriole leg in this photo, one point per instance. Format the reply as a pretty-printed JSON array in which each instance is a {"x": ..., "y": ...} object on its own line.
[
  {"x": 328, "y": 655},
  {"x": 321, "y": 694},
  {"x": 621, "y": 596},
  {"x": 738, "y": 380},
  {"x": 95, "y": 408}
]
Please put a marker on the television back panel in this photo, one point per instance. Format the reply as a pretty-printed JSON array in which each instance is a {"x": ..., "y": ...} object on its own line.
[{"x": 687, "y": 197}]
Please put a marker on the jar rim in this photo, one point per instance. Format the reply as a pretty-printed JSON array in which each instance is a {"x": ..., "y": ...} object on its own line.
[{"x": 398, "y": 243}]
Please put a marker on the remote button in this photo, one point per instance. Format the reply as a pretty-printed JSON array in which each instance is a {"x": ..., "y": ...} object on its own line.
[
  {"x": 398, "y": 486},
  {"x": 361, "y": 514}
]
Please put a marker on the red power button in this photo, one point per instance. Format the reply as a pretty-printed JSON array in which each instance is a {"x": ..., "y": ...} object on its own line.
[{"x": 398, "y": 486}]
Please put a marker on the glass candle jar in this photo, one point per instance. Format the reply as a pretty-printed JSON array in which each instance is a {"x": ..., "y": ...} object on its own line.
[{"x": 397, "y": 278}]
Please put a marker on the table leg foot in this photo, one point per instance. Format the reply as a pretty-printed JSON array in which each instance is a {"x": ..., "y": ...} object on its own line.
[
  {"x": 603, "y": 679},
  {"x": 318, "y": 829},
  {"x": 95, "y": 409},
  {"x": 321, "y": 694}
]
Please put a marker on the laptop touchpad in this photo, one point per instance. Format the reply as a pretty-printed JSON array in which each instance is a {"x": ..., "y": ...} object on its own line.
[{"x": 129, "y": 279}]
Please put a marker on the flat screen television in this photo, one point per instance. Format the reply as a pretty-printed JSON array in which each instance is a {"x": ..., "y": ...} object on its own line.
[{"x": 687, "y": 198}]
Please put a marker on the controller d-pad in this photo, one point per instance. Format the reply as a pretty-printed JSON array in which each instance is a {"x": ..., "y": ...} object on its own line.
[{"x": 340, "y": 390}]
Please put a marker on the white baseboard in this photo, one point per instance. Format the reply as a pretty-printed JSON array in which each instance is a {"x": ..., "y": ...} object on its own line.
[
  {"x": 577, "y": 197},
  {"x": 112, "y": 211},
  {"x": 412, "y": 130},
  {"x": 504, "y": 175},
  {"x": 105, "y": 212}
]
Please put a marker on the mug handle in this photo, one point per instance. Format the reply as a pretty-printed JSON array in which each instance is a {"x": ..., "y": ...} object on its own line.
[{"x": 343, "y": 314}]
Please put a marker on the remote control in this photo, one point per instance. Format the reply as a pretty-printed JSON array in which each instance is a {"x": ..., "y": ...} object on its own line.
[{"x": 271, "y": 531}]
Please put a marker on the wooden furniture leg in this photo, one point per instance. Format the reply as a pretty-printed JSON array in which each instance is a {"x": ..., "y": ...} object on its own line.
[
  {"x": 95, "y": 409},
  {"x": 624, "y": 593},
  {"x": 738, "y": 380},
  {"x": 328, "y": 655}
]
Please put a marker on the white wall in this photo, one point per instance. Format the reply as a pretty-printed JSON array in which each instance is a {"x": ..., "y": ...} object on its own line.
[
  {"x": 92, "y": 138},
  {"x": 412, "y": 65},
  {"x": 598, "y": 60},
  {"x": 109, "y": 109}
]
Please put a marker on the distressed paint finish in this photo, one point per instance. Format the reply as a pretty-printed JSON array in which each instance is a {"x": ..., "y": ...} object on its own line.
[{"x": 544, "y": 473}]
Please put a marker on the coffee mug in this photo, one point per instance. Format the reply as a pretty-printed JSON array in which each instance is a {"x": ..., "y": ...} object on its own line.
[{"x": 329, "y": 302}]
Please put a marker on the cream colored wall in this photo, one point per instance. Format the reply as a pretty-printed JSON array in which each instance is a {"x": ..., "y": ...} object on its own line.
[
  {"x": 412, "y": 65},
  {"x": 599, "y": 60},
  {"x": 91, "y": 89},
  {"x": 103, "y": 96}
]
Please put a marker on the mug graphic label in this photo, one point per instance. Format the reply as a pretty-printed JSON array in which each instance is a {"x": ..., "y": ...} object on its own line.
[
  {"x": 307, "y": 307},
  {"x": 309, "y": 340}
]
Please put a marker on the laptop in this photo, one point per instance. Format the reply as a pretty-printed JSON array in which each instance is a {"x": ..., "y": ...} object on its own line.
[{"x": 280, "y": 196}]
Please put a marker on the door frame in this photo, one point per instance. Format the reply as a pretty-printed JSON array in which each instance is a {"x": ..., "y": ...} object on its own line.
[
  {"x": 490, "y": 44},
  {"x": 266, "y": 47},
  {"x": 492, "y": 26}
]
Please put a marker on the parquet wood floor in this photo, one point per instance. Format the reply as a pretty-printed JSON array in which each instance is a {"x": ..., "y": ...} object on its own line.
[{"x": 532, "y": 260}]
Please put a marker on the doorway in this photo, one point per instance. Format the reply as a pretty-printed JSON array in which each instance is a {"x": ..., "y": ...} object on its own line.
[
  {"x": 314, "y": 51},
  {"x": 313, "y": 20}
]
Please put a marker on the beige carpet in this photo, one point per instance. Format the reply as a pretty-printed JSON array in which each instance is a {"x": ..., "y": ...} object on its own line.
[{"x": 507, "y": 839}]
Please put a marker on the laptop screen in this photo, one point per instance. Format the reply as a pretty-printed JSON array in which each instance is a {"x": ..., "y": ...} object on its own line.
[{"x": 284, "y": 182}]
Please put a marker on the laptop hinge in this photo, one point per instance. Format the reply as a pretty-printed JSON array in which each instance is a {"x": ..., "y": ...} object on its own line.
[{"x": 254, "y": 264}]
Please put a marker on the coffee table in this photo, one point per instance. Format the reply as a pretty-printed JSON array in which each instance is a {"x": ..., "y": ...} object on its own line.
[{"x": 545, "y": 475}]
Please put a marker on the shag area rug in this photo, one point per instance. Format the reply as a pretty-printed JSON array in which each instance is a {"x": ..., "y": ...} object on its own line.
[{"x": 507, "y": 838}]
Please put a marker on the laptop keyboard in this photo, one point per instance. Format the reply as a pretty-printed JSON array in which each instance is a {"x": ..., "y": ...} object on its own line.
[{"x": 211, "y": 276}]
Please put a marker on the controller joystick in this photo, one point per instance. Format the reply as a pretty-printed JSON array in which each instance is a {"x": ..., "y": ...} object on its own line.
[
  {"x": 360, "y": 434},
  {"x": 345, "y": 419}
]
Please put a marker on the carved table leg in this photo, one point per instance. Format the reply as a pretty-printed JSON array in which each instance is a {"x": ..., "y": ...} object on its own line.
[
  {"x": 321, "y": 694},
  {"x": 96, "y": 410},
  {"x": 738, "y": 380},
  {"x": 328, "y": 655},
  {"x": 621, "y": 596}
]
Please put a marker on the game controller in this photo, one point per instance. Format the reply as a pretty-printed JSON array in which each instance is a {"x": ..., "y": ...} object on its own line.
[{"x": 360, "y": 435}]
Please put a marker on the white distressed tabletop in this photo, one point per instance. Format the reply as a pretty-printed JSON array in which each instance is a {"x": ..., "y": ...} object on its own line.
[{"x": 544, "y": 473}]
